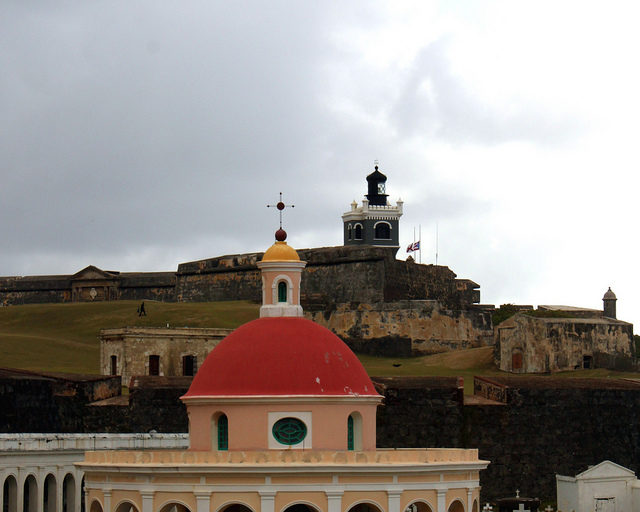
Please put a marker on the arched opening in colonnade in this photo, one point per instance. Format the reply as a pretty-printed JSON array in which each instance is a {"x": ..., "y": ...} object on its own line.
[
  {"x": 474, "y": 508},
  {"x": 456, "y": 506},
  {"x": 175, "y": 507},
  {"x": 50, "y": 496},
  {"x": 235, "y": 507},
  {"x": 10, "y": 494},
  {"x": 30, "y": 495},
  {"x": 365, "y": 507},
  {"x": 95, "y": 506},
  {"x": 69, "y": 493},
  {"x": 127, "y": 506},
  {"x": 418, "y": 506},
  {"x": 300, "y": 507}
]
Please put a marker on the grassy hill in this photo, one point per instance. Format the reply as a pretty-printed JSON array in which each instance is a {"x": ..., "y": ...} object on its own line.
[{"x": 64, "y": 338}]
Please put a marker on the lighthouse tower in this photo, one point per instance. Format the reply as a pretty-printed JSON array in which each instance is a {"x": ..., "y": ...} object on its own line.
[{"x": 376, "y": 222}]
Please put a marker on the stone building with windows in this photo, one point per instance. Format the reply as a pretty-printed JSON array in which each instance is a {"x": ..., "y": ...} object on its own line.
[
  {"x": 168, "y": 352},
  {"x": 282, "y": 418},
  {"x": 557, "y": 338}
]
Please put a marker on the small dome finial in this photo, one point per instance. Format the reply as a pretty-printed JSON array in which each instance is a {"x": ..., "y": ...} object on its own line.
[{"x": 281, "y": 235}]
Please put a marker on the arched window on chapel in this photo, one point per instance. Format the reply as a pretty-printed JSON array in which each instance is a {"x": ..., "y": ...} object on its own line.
[
  {"x": 222, "y": 433},
  {"x": 282, "y": 291}
]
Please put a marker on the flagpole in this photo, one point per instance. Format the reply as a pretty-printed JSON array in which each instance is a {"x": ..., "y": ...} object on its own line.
[{"x": 420, "y": 241}]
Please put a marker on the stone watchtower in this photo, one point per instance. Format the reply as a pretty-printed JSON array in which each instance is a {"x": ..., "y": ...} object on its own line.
[
  {"x": 376, "y": 222},
  {"x": 609, "y": 303}
]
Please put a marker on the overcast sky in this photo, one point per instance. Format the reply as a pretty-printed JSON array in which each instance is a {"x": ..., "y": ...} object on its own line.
[{"x": 138, "y": 135}]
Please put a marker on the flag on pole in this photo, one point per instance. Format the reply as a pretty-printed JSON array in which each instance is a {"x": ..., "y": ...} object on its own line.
[{"x": 415, "y": 246}]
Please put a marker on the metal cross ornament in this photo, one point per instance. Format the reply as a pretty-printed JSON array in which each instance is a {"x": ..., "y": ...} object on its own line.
[{"x": 281, "y": 206}]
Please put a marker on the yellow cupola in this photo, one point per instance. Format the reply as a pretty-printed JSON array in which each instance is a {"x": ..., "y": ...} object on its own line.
[{"x": 281, "y": 270}]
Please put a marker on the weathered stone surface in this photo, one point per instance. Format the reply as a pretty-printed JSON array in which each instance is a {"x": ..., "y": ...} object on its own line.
[
  {"x": 332, "y": 275},
  {"x": 32, "y": 402},
  {"x": 67, "y": 288},
  {"x": 406, "y": 328},
  {"x": 527, "y": 344},
  {"x": 132, "y": 346}
]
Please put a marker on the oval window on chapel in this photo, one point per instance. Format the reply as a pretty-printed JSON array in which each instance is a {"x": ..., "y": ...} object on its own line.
[{"x": 289, "y": 431}]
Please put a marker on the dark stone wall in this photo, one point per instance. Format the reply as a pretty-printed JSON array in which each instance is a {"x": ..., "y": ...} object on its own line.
[
  {"x": 553, "y": 426},
  {"x": 56, "y": 289},
  {"x": 359, "y": 274},
  {"x": 419, "y": 412},
  {"x": 155, "y": 404},
  {"x": 362, "y": 274},
  {"x": 543, "y": 425},
  {"x": 34, "y": 290},
  {"x": 48, "y": 403}
]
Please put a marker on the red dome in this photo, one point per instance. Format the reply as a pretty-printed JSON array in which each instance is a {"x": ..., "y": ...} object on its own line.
[{"x": 281, "y": 356}]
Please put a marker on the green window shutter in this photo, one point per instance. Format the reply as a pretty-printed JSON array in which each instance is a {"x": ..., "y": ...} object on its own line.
[
  {"x": 350, "y": 433},
  {"x": 223, "y": 433}
]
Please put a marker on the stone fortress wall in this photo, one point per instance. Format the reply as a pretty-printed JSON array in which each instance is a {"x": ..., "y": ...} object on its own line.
[
  {"x": 530, "y": 428},
  {"x": 376, "y": 303}
]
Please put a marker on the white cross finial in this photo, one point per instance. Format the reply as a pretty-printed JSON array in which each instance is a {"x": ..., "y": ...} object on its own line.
[
  {"x": 487, "y": 508},
  {"x": 548, "y": 509},
  {"x": 517, "y": 493},
  {"x": 521, "y": 508}
]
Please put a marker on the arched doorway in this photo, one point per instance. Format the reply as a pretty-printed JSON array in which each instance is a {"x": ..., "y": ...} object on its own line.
[
  {"x": 235, "y": 507},
  {"x": 69, "y": 494},
  {"x": 30, "y": 495},
  {"x": 50, "y": 497},
  {"x": 474, "y": 508},
  {"x": 300, "y": 507},
  {"x": 10, "y": 494},
  {"x": 365, "y": 507},
  {"x": 456, "y": 506},
  {"x": 418, "y": 506},
  {"x": 95, "y": 506},
  {"x": 175, "y": 507},
  {"x": 127, "y": 506}
]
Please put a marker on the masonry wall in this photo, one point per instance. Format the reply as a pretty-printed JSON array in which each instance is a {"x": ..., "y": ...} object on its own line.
[
  {"x": 333, "y": 275},
  {"x": 406, "y": 328},
  {"x": 539, "y": 426},
  {"x": 551, "y": 426},
  {"x": 40, "y": 403},
  {"x": 132, "y": 347},
  {"x": 555, "y": 344}
]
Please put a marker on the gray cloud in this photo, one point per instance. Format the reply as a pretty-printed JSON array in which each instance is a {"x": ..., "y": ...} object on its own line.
[{"x": 435, "y": 103}]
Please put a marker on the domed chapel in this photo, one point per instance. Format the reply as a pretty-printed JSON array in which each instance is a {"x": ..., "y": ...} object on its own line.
[{"x": 282, "y": 418}]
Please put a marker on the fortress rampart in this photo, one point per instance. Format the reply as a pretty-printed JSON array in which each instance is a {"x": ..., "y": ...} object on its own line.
[{"x": 530, "y": 428}]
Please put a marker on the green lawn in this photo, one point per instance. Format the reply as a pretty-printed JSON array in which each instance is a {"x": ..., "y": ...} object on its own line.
[{"x": 64, "y": 337}]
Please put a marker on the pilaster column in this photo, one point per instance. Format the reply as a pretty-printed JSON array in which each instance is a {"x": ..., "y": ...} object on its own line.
[
  {"x": 394, "y": 500},
  {"x": 469, "y": 499},
  {"x": 442, "y": 502},
  {"x": 334, "y": 499},
  {"x": 59, "y": 488},
  {"x": 107, "y": 500},
  {"x": 267, "y": 501},
  {"x": 147, "y": 500},
  {"x": 84, "y": 496},
  {"x": 203, "y": 501}
]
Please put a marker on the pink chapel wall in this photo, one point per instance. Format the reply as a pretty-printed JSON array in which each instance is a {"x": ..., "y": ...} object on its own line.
[{"x": 249, "y": 429}]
